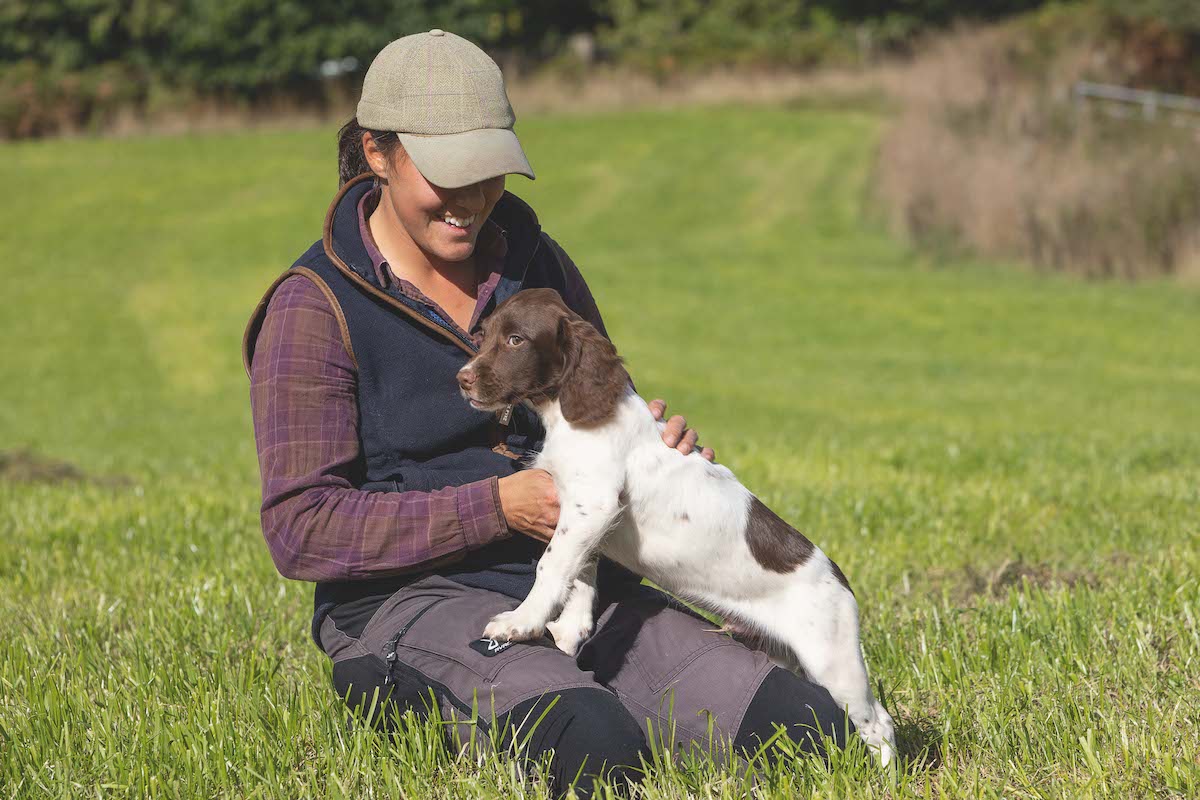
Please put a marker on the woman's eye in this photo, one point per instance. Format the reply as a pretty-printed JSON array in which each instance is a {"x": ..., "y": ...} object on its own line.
[{"x": 515, "y": 340}]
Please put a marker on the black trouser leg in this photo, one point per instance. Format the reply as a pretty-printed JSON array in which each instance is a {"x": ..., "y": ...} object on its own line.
[
  {"x": 805, "y": 709},
  {"x": 591, "y": 733}
]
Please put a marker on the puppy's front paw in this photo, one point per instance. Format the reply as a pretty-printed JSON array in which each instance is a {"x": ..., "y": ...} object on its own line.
[
  {"x": 880, "y": 735},
  {"x": 513, "y": 626},
  {"x": 569, "y": 634}
]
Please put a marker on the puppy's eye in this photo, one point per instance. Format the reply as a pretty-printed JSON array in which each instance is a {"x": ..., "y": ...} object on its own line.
[{"x": 514, "y": 340}]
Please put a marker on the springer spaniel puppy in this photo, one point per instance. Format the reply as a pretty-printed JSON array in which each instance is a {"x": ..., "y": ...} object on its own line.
[{"x": 681, "y": 521}]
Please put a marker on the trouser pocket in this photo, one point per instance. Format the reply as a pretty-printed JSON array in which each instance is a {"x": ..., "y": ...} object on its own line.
[
  {"x": 431, "y": 631},
  {"x": 389, "y": 649},
  {"x": 451, "y": 628}
]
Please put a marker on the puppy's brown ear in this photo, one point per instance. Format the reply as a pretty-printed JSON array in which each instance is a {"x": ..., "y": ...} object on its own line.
[{"x": 593, "y": 379}]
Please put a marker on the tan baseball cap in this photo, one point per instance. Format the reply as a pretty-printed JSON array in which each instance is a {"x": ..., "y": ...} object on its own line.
[{"x": 445, "y": 99}]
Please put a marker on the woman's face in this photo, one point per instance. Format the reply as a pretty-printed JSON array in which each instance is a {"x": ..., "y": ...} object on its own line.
[{"x": 444, "y": 223}]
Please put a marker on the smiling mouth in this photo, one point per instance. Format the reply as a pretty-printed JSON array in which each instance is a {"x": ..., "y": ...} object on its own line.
[{"x": 460, "y": 225}]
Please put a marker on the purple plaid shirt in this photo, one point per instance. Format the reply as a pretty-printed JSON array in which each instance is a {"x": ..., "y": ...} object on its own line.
[{"x": 303, "y": 394}]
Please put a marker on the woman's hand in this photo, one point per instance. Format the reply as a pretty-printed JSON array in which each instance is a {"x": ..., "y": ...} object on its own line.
[
  {"x": 530, "y": 503},
  {"x": 677, "y": 434}
]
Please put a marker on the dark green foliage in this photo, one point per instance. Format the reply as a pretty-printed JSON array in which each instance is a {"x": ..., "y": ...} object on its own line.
[
  {"x": 243, "y": 45},
  {"x": 662, "y": 35},
  {"x": 665, "y": 33},
  {"x": 1179, "y": 15},
  {"x": 235, "y": 49},
  {"x": 1160, "y": 41}
]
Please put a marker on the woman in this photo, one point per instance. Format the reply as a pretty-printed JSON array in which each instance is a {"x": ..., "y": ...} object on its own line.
[{"x": 409, "y": 509}]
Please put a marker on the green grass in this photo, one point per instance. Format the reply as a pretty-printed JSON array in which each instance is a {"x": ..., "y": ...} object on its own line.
[{"x": 1006, "y": 465}]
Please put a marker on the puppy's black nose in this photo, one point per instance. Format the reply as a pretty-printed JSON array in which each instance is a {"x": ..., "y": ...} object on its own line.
[{"x": 466, "y": 378}]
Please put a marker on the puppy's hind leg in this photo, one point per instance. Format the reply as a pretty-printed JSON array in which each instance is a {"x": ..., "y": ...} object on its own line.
[
  {"x": 825, "y": 642},
  {"x": 575, "y": 622}
]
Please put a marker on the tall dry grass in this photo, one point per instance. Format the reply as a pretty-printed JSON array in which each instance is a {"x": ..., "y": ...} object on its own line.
[{"x": 989, "y": 151}]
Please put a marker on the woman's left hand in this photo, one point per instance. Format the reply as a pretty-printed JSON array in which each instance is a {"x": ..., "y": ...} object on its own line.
[{"x": 677, "y": 434}]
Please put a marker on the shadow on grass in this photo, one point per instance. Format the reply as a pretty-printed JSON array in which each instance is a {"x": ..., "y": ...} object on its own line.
[
  {"x": 919, "y": 738},
  {"x": 25, "y": 466}
]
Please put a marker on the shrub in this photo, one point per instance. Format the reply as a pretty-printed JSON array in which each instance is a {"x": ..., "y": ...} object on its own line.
[
  {"x": 239, "y": 49},
  {"x": 990, "y": 152}
]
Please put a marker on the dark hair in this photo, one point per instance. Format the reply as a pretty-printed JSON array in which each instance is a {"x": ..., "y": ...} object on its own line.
[{"x": 352, "y": 162}]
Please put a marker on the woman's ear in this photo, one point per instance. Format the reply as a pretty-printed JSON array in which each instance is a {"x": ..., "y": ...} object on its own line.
[
  {"x": 375, "y": 158},
  {"x": 593, "y": 379}
]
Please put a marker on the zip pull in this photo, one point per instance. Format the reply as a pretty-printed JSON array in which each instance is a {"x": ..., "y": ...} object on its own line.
[
  {"x": 506, "y": 415},
  {"x": 391, "y": 658},
  {"x": 390, "y": 648}
]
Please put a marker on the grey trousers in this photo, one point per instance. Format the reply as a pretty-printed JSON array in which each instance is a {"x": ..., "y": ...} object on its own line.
[{"x": 666, "y": 665}]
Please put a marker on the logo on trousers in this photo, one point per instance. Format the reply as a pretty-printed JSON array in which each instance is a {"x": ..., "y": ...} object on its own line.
[{"x": 489, "y": 647}]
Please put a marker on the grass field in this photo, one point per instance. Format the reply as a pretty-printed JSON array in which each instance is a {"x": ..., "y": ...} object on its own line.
[{"x": 1006, "y": 465}]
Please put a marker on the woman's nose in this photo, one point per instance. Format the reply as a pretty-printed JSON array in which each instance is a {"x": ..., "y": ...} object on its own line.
[{"x": 471, "y": 198}]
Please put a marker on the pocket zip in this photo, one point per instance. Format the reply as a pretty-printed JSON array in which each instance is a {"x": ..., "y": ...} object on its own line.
[{"x": 394, "y": 642}]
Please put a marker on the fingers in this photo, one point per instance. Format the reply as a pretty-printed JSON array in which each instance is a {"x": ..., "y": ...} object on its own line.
[
  {"x": 542, "y": 534},
  {"x": 674, "y": 432},
  {"x": 550, "y": 509}
]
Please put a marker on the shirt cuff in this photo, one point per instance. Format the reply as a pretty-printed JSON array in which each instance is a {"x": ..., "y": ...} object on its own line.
[{"x": 480, "y": 514}]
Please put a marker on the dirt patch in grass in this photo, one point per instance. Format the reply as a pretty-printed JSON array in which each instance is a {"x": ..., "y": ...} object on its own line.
[
  {"x": 1016, "y": 572},
  {"x": 968, "y": 583},
  {"x": 25, "y": 466}
]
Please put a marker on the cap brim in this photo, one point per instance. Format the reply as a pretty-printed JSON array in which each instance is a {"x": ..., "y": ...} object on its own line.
[{"x": 453, "y": 160}]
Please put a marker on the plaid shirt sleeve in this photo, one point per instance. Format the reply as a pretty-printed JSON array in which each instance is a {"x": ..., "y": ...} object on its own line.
[{"x": 317, "y": 525}]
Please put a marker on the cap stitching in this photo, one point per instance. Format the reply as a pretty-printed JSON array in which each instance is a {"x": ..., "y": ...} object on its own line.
[
  {"x": 429, "y": 85},
  {"x": 466, "y": 70}
]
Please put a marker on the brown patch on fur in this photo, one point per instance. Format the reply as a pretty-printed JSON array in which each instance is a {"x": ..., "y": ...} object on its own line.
[
  {"x": 557, "y": 354},
  {"x": 594, "y": 379},
  {"x": 774, "y": 544},
  {"x": 841, "y": 576}
]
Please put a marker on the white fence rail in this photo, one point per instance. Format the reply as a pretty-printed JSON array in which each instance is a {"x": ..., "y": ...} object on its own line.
[{"x": 1122, "y": 100}]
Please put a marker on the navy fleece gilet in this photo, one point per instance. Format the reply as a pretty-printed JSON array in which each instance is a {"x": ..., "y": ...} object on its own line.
[{"x": 417, "y": 433}]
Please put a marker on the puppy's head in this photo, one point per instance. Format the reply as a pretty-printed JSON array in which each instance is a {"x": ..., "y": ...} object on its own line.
[{"x": 535, "y": 348}]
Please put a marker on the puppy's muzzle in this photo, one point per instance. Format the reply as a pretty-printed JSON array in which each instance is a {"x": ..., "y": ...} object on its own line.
[{"x": 466, "y": 379}]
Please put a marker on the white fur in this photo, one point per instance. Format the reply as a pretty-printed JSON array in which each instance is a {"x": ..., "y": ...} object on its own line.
[{"x": 680, "y": 521}]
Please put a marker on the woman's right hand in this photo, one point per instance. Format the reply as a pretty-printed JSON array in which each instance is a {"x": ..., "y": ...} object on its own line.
[{"x": 529, "y": 502}]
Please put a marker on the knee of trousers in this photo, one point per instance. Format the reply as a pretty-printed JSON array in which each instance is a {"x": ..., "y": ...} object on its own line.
[
  {"x": 363, "y": 683},
  {"x": 805, "y": 709},
  {"x": 589, "y": 731}
]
